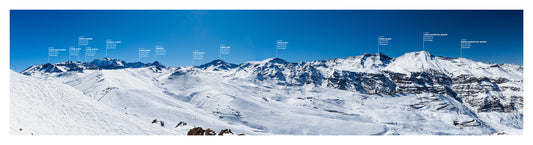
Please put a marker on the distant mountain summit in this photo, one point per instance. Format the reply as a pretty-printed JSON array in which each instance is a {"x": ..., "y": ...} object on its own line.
[{"x": 102, "y": 63}]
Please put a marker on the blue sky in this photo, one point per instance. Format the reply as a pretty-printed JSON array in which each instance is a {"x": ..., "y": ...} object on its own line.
[{"x": 252, "y": 34}]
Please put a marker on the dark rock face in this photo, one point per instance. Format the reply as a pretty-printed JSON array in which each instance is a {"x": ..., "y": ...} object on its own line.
[
  {"x": 196, "y": 131},
  {"x": 361, "y": 82},
  {"x": 418, "y": 82},
  {"x": 484, "y": 95},
  {"x": 480, "y": 94},
  {"x": 391, "y": 83}
]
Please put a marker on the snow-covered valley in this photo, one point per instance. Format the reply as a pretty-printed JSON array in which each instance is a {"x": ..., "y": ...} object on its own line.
[{"x": 372, "y": 94}]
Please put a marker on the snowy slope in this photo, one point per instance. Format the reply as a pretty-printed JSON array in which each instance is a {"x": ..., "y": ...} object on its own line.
[
  {"x": 136, "y": 91},
  {"x": 219, "y": 103},
  {"x": 46, "y": 108}
]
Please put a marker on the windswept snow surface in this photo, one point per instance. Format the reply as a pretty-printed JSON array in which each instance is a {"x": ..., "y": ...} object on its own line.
[
  {"x": 48, "y": 108},
  {"x": 264, "y": 98}
]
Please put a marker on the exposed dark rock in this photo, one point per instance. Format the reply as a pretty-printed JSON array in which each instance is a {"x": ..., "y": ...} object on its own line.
[
  {"x": 225, "y": 131},
  {"x": 196, "y": 131}
]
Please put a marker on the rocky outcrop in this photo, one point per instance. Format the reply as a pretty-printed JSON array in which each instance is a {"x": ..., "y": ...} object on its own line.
[
  {"x": 196, "y": 131},
  {"x": 181, "y": 123}
]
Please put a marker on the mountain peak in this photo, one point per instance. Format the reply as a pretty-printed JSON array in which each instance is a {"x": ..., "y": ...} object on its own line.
[
  {"x": 418, "y": 55},
  {"x": 415, "y": 62},
  {"x": 46, "y": 68},
  {"x": 421, "y": 53},
  {"x": 217, "y": 61}
]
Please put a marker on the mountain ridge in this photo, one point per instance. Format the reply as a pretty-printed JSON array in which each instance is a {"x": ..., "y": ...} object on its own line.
[
  {"x": 413, "y": 72},
  {"x": 113, "y": 63}
]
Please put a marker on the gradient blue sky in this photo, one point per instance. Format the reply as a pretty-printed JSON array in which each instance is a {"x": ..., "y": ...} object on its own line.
[{"x": 312, "y": 34}]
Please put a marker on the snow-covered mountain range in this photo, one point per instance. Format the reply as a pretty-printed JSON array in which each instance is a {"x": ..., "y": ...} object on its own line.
[{"x": 371, "y": 94}]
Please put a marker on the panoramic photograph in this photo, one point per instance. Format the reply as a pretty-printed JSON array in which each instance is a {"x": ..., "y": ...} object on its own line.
[{"x": 266, "y": 72}]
